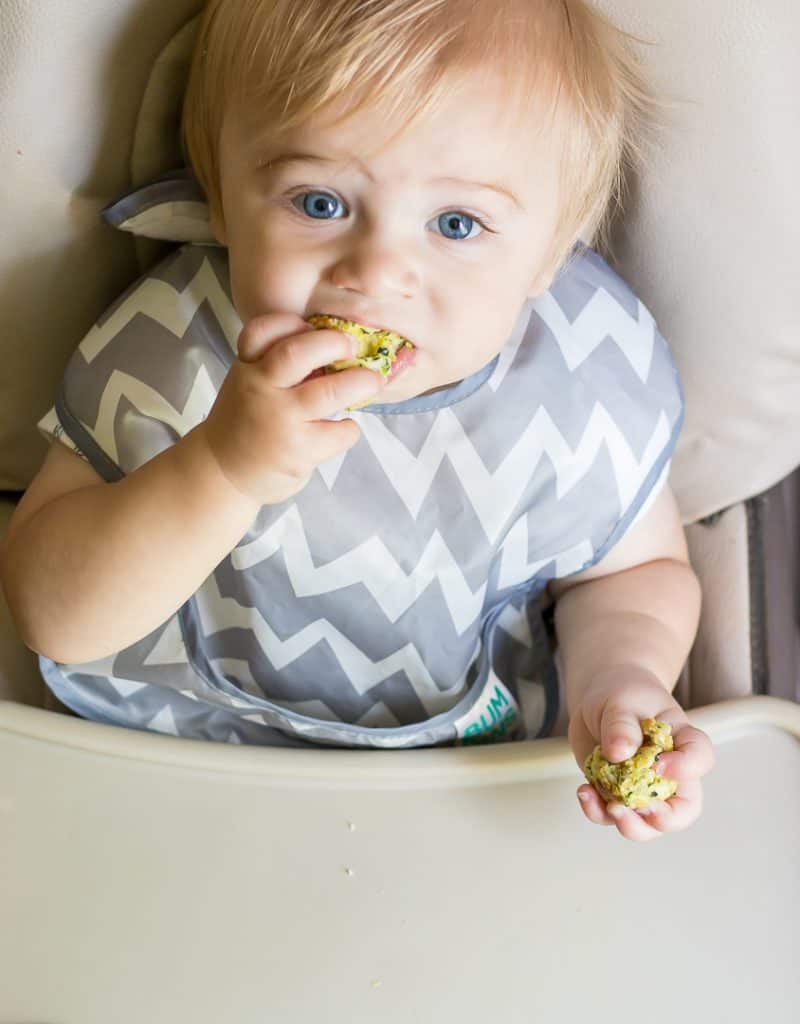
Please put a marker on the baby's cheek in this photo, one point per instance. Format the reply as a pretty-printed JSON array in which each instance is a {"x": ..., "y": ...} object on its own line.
[
  {"x": 258, "y": 290},
  {"x": 473, "y": 351}
]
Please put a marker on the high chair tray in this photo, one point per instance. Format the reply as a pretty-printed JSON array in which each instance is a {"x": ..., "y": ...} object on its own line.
[{"x": 146, "y": 878}]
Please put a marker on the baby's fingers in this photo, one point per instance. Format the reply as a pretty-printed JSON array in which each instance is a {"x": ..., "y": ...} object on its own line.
[
  {"x": 692, "y": 758},
  {"x": 631, "y": 824},
  {"x": 679, "y": 812},
  {"x": 593, "y": 806}
]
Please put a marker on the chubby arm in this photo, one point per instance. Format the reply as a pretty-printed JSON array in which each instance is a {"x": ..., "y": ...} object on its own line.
[
  {"x": 638, "y": 608},
  {"x": 90, "y": 567},
  {"x": 625, "y": 628}
]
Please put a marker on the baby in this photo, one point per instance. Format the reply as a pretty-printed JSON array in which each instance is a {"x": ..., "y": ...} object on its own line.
[{"x": 227, "y": 544}]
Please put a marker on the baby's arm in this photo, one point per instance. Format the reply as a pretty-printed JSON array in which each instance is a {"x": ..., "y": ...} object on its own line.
[
  {"x": 638, "y": 608},
  {"x": 625, "y": 629},
  {"x": 90, "y": 567}
]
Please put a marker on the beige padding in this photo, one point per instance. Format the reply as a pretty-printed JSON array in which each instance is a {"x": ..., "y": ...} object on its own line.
[
  {"x": 72, "y": 77},
  {"x": 711, "y": 239},
  {"x": 720, "y": 661},
  {"x": 20, "y": 679}
]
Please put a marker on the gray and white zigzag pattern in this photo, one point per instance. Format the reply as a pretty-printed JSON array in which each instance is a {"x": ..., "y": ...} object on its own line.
[{"x": 362, "y": 599}]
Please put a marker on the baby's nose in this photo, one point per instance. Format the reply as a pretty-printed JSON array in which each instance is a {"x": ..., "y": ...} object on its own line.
[{"x": 376, "y": 269}]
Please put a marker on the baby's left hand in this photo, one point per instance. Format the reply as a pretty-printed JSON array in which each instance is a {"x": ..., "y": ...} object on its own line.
[{"x": 609, "y": 714}]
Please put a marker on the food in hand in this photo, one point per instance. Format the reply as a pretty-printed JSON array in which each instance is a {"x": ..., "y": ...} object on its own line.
[
  {"x": 379, "y": 349},
  {"x": 385, "y": 352},
  {"x": 634, "y": 782}
]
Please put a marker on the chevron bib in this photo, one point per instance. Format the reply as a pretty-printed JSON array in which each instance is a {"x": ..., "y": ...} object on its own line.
[{"x": 428, "y": 629}]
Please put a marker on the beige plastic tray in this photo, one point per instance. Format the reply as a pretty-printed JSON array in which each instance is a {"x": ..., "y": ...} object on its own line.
[{"x": 149, "y": 879}]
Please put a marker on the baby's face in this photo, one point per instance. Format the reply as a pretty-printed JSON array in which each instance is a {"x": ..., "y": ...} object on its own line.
[{"x": 440, "y": 235}]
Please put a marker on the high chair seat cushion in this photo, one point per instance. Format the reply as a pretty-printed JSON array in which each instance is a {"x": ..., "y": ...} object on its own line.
[
  {"x": 72, "y": 78},
  {"x": 20, "y": 678}
]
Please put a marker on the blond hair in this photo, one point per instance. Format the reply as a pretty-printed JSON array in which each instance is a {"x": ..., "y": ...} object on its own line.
[{"x": 289, "y": 59}]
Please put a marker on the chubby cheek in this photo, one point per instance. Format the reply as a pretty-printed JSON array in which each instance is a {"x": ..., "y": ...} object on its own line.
[
  {"x": 263, "y": 282},
  {"x": 469, "y": 343}
]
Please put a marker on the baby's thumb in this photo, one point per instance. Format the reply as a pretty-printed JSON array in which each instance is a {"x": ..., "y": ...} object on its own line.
[
  {"x": 620, "y": 734},
  {"x": 261, "y": 332}
]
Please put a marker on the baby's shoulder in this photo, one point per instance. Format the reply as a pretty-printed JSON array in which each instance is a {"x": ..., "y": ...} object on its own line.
[
  {"x": 594, "y": 300},
  {"x": 182, "y": 281},
  {"x": 181, "y": 304},
  {"x": 609, "y": 403},
  {"x": 600, "y": 340},
  {"x": 152, "y": 365},
  {"x": 586, "y": 272}
]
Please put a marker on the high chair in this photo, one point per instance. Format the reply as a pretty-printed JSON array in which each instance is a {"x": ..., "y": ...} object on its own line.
[{"x": 145, "y": 878}]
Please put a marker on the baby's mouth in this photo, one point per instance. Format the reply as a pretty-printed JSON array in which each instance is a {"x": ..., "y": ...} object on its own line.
[
  {"x": 380, "y": 350},
  {"x": 406, "y": 358}
]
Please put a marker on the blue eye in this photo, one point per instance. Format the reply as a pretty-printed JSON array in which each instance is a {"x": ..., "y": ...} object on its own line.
[
  {"x": 457, "y": 226},
  {"x": 319, "y": 205}
]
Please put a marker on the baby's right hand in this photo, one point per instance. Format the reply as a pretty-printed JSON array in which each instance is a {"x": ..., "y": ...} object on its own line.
[{"x": 265, "y": 429}]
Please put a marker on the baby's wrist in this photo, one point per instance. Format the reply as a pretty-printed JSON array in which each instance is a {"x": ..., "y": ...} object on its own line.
[
  {"x": 203, "y": 467},
  {"x": 604, "y": 681}
]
